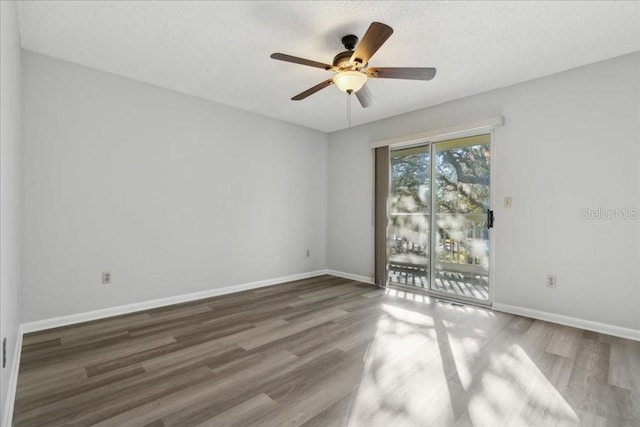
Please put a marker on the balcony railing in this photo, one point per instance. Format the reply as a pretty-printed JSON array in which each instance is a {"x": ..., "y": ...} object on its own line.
[{"x": 462, "y": 252}]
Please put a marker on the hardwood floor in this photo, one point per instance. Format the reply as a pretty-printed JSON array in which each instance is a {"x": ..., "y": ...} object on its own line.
[{"x": 325, "y": 351}]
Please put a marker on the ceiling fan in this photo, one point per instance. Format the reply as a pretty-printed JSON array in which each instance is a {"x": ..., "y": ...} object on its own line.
[{"x": 351, "y": 67}]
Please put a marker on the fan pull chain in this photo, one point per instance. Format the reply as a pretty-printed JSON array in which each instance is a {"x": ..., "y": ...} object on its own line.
[{"x": 349, "y": 109}]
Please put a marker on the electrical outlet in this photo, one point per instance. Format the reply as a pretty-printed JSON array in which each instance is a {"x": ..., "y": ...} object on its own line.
[
  {"x": 308, "y": 253},
  {"x": 106, "y": 278},
  {"x": 552, "y": 281},
  {"x": 507, "y": 202}
]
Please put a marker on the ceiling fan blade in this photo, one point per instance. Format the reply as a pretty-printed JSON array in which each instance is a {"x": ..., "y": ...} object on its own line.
[
  {"x": 365, "y": 97},
  {"x": 313, "y": 90},
  {"x": 376, "y": 35},
  {"x": 301, "y": 61},
  {"x": 402, "y": 73}
]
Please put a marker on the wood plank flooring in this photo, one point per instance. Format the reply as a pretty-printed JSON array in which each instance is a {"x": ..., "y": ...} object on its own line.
[{"x": 325, "y": 351}]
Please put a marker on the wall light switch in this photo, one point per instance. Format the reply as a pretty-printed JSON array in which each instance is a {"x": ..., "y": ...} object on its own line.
[{"x": 507, "y": 202}]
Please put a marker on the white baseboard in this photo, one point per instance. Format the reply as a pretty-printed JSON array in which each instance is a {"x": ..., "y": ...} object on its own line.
[
  {"x": 56, "y": 322},
  {"x": 618, "y": 331},
  {"x": 10, "y": 398},
  {"x": 350, "y": 276}
]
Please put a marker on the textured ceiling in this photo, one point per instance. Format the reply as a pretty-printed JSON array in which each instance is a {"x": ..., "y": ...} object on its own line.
[{"x": 220, "y": 50}]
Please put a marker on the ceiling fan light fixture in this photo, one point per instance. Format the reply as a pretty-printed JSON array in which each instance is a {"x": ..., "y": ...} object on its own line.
[{"x": 350, "y": 81}]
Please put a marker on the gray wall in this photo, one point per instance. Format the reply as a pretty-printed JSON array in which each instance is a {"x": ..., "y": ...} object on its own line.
[
  {"x": 10, "y": 113},
  {"x": 570, "y": 141},
  {"x": 170, "y": 193}
]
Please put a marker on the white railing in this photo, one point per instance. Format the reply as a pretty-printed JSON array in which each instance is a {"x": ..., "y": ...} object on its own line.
[{"x": 462, "y": 241}]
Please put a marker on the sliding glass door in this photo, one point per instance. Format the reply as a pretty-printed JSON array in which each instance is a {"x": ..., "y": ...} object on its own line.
[
  {"x": 410, "y": 216},
  {"x": 461, "y": 209},
  {"x": 439, "y": 218}
]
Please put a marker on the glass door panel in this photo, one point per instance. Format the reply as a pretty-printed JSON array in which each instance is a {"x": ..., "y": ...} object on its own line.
[
  {"x": 460, "y": 208},
  {"x": 409, "y": 217}
]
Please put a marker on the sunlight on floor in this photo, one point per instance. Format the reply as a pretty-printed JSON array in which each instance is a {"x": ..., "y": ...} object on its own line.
[
  {"x": 513, "y": 390},
  {"x": 399, "y": 361},
  {"x": 420, "y": 371},
  {"x": 411, "y": 296}
]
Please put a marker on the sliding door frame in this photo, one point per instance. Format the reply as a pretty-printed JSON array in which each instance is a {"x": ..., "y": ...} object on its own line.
[{"x": 431, "y": 142}]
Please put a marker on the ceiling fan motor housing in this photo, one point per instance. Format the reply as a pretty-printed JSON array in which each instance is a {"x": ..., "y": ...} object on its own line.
[{"x": 343, "y": 60}]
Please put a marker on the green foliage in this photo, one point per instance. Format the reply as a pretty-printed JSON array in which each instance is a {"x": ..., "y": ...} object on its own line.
[{"x": 462, "y": 176}]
